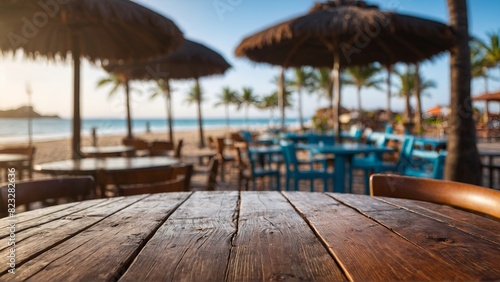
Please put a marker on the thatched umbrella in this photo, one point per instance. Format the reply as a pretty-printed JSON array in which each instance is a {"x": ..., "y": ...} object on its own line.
[
  {"x": 92, "y": 29},
  {"x": 346, "y": 33},
  {"x": 191, "y": 60},
  {"x": 487, "y": 97}
]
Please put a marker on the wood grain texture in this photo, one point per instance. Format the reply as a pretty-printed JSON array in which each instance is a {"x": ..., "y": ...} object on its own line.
[
  {"x": 38, "y": 217},
  {"x": 193, "y": 244},
  {"x": 366, "y": 250},
  {"x": 485, "y": 228},
  {"x": 33, "y": 241},
  {"x": 102, "y": 250},
  {"x": 463, "y": 252},
  {"x": 274, "y": 243}
]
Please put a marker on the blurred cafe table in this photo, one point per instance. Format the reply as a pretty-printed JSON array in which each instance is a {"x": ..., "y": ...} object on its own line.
[
  {"x": 107, "y": 151},
  {"x": 344, "y": 153},
  {"x": 91, "y": 166},
  {"x": 252, "y": 236}
]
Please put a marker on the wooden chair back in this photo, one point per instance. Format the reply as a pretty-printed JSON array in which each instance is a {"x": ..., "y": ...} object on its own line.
[
  {"x": 213, "y": 170},
  {"x": 160, "y": 148},
  {"x": 178, "y": 149},
  {"x": 30, "y": 191},
  {"x": 180, "y": 179},
  {"x": 27, "y": 151},
  {"x": 461, "y": 195},
  {"x": 138, "y": 144},
  {"x": 211, "y": 142}
]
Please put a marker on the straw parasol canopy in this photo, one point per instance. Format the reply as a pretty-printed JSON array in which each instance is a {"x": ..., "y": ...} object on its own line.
[
  {"x": 487, "y": 97},
  {"x": 191, "y": 61},
  {"x": 342, "y": 33},
  {"x": 96, "y": 30}
]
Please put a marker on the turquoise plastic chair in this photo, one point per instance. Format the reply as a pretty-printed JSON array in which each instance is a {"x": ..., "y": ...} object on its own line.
[
  {"x": 294, "y": 172},
  {"x": 317, "y": 139},
  {"x": 374, "y": 163},
  {"x": 246, "y": 135},
  {"x": 258, "y": 171},
  {"x": 426, "y": 164}
]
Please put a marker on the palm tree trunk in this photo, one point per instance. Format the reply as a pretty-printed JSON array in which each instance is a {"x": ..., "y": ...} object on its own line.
[
  {"x": 168, "y": 99},
  {"x": 418, "y": 117},
  {"x": 300, "y": 107},
  {"x": 388, "y": 107},
  {"x": 227, "y": 116},
  {"x": 200, "y": 120},
  {"x": 281, "y": 96},
  {"x": 336, "y": 96},
  {"x": 246, "y": 116},
  {"x": 129, "y": 118},
  {"x": 462, "y": 162},
  {"x": 359, "y": 99}
]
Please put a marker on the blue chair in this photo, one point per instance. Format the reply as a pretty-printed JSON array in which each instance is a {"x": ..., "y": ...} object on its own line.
[
  {"x": 355, "y": 134},
  {"x": 247, "y": 136},
  {"x": 294, "y": 172},
  {"x": 374, "y": 163},
  {"x": 256, "y": 171},
  {"x": 426, "y": 164},
  {"x": 317, "y": 139}
]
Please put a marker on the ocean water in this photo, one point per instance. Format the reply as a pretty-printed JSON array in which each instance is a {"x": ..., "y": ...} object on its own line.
[{"x": 16, "y": 129}]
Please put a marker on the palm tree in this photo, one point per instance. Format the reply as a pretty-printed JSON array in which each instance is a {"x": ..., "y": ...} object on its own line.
[
  {"x": 414, "y": 84},
  {"x": 195, "y": 97},
  {"x": 116, "y": 82},
  {"x": 462, "y": 162},
  {"x": 491, "y": 50},
  {"x": 271, "y": 102},
  {"x": 248, "y": 99},
  {"x": 303, "y": 79},
  {"x": 363, "y": 77},
  {"x": 227, "y": 98},
  {"x": 324, "y": 84},
  {"x": 479, "y": 65},
  {"x": 162, "y": 88},
  {"x": 405, "y": 88}
]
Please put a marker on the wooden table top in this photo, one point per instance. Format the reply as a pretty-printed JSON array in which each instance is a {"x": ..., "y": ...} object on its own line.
[
  {"x": 107, "y": 149},
  {"x": 92, "y": 165},
  {"x": 252, "y": 236}
]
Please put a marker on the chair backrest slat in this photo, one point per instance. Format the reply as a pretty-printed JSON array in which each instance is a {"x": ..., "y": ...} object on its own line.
[
  {"x": 31, "y": 191},
  {"x": 461, "y": 195}
]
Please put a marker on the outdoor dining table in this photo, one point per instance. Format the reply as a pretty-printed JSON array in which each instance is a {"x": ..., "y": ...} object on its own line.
[
  {"x": 344, "y": 153},
  {"x": 91, "y": 166},
  {"x": 251, "y": 236},
  {"x": 107, "y": 151}
]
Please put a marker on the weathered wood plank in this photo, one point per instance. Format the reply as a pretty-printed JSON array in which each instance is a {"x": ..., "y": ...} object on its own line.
[
  {"x": 193, "y": 244},
  {"x": 36, "y": 218},
  {"x": 359, "y": 244},
  {"x": 36, "y": 240},
  {"x": 120, "y": 235},
  {"x": 467, "y": 253},
  {"x": 274, "y": 243},
  {"x": 484, "y": 228}
]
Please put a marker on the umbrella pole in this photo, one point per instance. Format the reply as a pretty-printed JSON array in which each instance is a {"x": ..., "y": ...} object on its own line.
[
  {"x": 281, "y": 97},
  {"x": 200, "y": 119},
  {"x": 336, "y": 95},
  {"x": 75, "y": 146},
  {"x": 168, "y": 98},
  {"x": 389, "y": 114},
  {"x": 129, "y": 119}
]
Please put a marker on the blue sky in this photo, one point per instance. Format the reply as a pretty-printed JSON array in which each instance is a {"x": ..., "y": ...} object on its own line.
[{"x": 222, "y": 30}]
